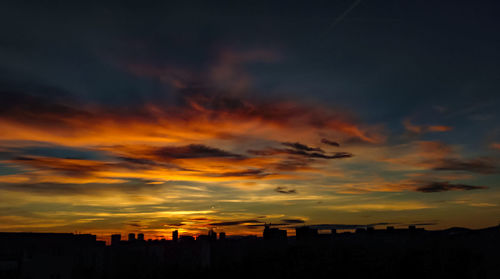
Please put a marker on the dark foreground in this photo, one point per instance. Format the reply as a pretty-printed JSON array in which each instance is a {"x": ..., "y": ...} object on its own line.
[{"x": 454, "y": 253}]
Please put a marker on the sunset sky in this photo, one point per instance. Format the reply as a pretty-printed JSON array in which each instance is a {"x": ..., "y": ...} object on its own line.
[{"x": 148, "y": 118}]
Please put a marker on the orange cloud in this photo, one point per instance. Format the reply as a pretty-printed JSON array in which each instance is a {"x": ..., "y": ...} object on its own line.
[
  {"x": 421, "y": 129},
  {"x": 495, "y": 145},
  {"x": 439, "y": 128},
  {"x": 422, "y": 185},
  {"x": 201, "y": 117},
  {"x": 211, "y": 104}
]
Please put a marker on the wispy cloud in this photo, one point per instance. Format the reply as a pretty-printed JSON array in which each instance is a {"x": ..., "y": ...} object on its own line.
[
  {"x": 438, "y": 156},
  {"x": 385, "y": 206},
  {"x": 300, "y": 146},
  {"x": 478, "y": 165},
  {"x": 318, "y": 155},
  {"x": 446, "y": 186},
  {"x": 422, "y": 129},
  {"x": 284, "y": 190},
  {"x": 329, "y": 142},
  {"x": 293, "y": 221}
]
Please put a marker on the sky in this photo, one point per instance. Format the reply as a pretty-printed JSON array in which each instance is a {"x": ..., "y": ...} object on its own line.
[{"x": 149, "y": 117}]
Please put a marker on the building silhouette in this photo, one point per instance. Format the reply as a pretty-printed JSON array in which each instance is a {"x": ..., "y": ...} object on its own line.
[
  {"x": 131, "y": 237},
  {"x": 274, "y": 233},
  {"x": 212, "y": 235},
  {"x": 115, "y": 239},
  {"x": 306, "y": 233},
  {"x": 175, "y": 236},
  {"x": 186, "y": 238},
  {"x": 49, "y": 255},
  {"x": 384, "y": 253}
]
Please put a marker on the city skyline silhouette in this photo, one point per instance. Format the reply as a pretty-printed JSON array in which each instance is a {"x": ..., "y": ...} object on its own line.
[{"x": 460, "y": 252}]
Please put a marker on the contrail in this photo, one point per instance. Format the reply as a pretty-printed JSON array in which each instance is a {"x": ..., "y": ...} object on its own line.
[{"x": 342, "y": 16}]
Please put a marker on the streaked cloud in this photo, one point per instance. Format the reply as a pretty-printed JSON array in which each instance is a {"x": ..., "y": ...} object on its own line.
[
  {"x": 446, "y": 186},
  {"x": 284, "y": 190},
  {"x": 392, "y": 206},
  {"x": 422, "y": 129},
  {"x": 329, "y": 142},
  {"x": 479, "y": 165},
  {"x": 436, "y": 155}
]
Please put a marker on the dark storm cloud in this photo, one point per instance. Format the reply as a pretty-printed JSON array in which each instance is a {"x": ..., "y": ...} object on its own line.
[
  {"x": 193, "y": 151},
  {"x": 480, "y": 165},
  {"x": 329, "y": 142},
  {"x": 300, "y": 146},
  {"x": 284, "y": 190},
  {"x": 434, "y": 187}
]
